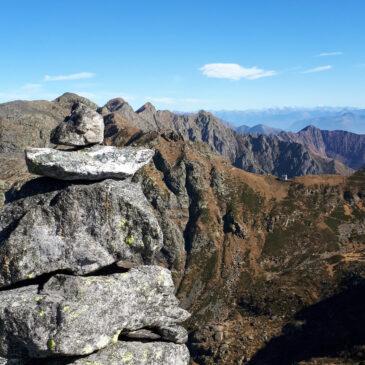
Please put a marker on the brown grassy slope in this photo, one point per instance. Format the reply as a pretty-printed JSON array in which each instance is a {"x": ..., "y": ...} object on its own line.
[{"x": 256, "y": 250}]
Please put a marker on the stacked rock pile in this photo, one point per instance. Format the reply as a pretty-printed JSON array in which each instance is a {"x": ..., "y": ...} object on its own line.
[{"x": 77, "y": 284}]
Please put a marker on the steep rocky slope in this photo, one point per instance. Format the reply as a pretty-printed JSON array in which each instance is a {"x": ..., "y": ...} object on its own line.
[
  {"x": 263, "y": 265},
  {"x": 346, "y": 147}
]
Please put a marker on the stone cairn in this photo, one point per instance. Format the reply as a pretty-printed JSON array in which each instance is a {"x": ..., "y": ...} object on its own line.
[{"x": 77, "y": 280}]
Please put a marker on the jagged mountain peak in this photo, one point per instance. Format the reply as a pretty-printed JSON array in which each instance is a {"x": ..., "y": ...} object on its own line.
[
  {"x": 116, "y": 104},
  {"x": 147, "y": 107},
  {"x": 205, "y": 113},
  {"x": 309, "y": 127}
]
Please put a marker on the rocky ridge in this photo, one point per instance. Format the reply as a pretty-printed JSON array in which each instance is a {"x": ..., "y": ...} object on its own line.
[
  {"x": 78, "y": 279},
  {"x": 256, "y": 153},
  {"x": 290, "y": 154},
  {"x": 346, "y": 147}
]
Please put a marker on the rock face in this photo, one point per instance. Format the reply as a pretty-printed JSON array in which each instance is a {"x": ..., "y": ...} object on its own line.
[
  {"x": 346, "y": 147},
  {"x": 77, "y": 315},
  {"x": 269, "y": 154},
  {"x": 80, "y": 229},
  {"x": 82, "y": 128},
  {"x": 72, "y": 275},
  {"x": 95, "y": 163}
]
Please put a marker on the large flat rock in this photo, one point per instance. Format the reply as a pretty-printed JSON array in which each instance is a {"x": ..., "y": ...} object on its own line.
[
  {"x": 75, "y": 315},
  {"x": 81, "y": 228},
  {"x": 94, "y": 163}
]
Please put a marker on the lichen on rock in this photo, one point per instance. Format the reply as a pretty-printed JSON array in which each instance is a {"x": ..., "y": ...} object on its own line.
[
  {"x": 98, "y": 308},
  {"x": 94, "y": 163},
  {"x": 77, "y": 229}
]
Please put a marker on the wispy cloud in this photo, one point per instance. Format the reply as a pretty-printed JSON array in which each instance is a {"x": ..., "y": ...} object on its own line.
[
  {"x": 317, "y": 69},
  {"x": 76, "y": 76},
  {"x": 329, "y": 54},
  {"x": 234, "y": 71}
]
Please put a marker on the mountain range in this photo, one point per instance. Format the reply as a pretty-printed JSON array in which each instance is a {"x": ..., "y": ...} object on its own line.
[
  {"x": 295, "y": 119},
  {"x": 310, "y": 151},
  {"x": 272, "y": 271}
]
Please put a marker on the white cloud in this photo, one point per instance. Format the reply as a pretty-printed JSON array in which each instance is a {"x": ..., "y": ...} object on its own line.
[
  {"x": 329, "y": 54},
  {"x": 317, "y": 69},
  {"x": 77, "y": 76},
  {"x": 234, "y": 71}
]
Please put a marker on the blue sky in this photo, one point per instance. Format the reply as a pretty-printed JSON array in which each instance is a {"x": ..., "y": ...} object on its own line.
[{"x": 186, "y": 55}]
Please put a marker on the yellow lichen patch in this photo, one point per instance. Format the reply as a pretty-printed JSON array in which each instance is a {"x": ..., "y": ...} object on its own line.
[
  {"x": 87, "y": 349},
  {"x": 41, "y": 313},
  {"x": 38, "y": 298},
  {"x": 51, "y": 344},
  {"x": 129, "y": 240},
  {"x": 127, "y": 357},
  {"x": 116, "y": 336},
  {"x": 31, "y": 275},
  {"x": 66, "y": 309},
  {"x": 122, "y": 223}
]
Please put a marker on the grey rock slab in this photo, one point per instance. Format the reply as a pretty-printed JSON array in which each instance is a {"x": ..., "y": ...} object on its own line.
[
  {"x": 142, "y": 334},
  {"x": 94, "y": 163},
  {"x": 75, "y": 315},
  {"x": 81, "y": 228},
  {"x": 139, "y": 353},
  {"x": 82, "y": 128},
  {"x": 177, "y": 334}
]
